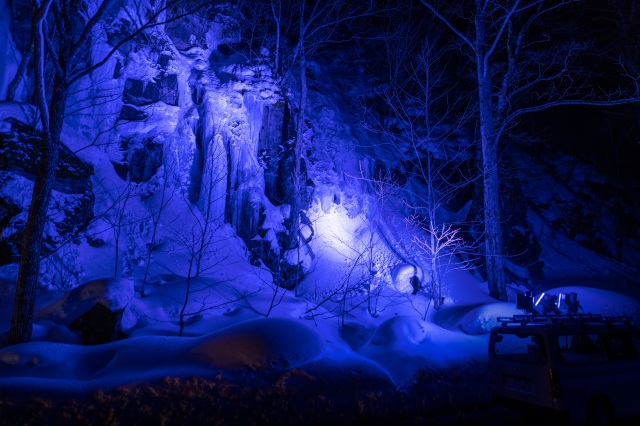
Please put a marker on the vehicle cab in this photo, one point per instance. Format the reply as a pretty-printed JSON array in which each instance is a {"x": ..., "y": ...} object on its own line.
[{"x": 582, "y": 367}]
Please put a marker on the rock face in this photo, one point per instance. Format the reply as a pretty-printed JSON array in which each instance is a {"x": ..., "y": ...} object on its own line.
[
  {"x": 274, "y": 134},
  {"x": 71, "y": 206},
  {"x": 144, "y": 160},
  {"x": 98, "y": 325},
  {"x": 141, "y": 158},
  {"x": 228, "y": 140},
  {"x": 141, "y": 93},
  {"x": 132, "y": 113},
  {"x": 21, "y": 149},
  {"x": 193, "y": 97},
  {"x": 210, "y": 26},
  {"x": 94, "y": 310}
]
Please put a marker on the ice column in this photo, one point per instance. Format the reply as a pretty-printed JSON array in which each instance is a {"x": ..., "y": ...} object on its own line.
[{"x": 214, "y": 169}]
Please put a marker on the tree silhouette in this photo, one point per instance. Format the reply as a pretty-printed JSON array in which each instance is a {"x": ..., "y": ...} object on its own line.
[
  {"x": 523, "y": 63},
  {"x": 63, "y": 32}
]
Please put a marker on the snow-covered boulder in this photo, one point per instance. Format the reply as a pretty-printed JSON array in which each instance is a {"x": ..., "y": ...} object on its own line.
[
  {"x": 483, "y": 318},
  {"x": 114, "y": 294},
  {"x": 144, "y": 157}
]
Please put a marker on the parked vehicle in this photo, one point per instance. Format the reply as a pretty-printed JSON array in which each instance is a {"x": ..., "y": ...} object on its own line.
[{"x": 581, "y": 367}]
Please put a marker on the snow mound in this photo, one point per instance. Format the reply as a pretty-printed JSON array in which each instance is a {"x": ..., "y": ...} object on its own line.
[
  {"x": 355, "y": 334},
  {"x": 604, "y": 302},
  {"x": 400, "y": 329},
  {"x": 483, "y": 318},
  {"x": 47, "y": 331},
  {"x": 592, "y": 301},
  {"x": 258, "y": 345},
  {"x": 111, "y": 292}
]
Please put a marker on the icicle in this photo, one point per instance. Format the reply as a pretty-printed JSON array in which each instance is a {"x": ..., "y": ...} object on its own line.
[
  {"x": 255, "y": 109},
  {"x": 214, "y": 180},
  {"x": 193, "y": 119},
  {"x": 214, "y": 168}
]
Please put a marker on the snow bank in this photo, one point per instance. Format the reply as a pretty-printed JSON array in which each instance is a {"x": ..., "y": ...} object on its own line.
[
  {"x": 404, "y": 345},
  {"x": 592, "y": 300},
  {"x": 261, "y": 345},
  {"x": 604, "y": 302},
  {"x": 47, "y": 331},
  {"x": 258, "y": 345}
]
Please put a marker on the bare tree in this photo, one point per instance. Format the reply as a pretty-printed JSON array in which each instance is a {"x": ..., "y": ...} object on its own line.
[
  {"x": 116, "y": 217},
  {"x": 162, "y": 205},
  {"x": 22, "y": 317},
  {"x": 375, "y": 262},
  {"x": 423, "y": 129},
  {"x": 342, "y": 298},
  {"x": 192, "y": 241},
  {"x": 522, "y": 65},
  {"x": 367, "y": 262},
  {"x": 200, "y": 239},
  {"x": 441, "y": 244},
  {"x": 276, "y": 11},
  {"x": 25, "y": 61},
  {"x": 62, "y": 34},
  {"x": 317, "y": 22},
  {"x": 60, "y": 270}
]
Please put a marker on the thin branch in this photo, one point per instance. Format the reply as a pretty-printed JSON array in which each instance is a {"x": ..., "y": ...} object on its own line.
[{"x": 444, "y": 20}]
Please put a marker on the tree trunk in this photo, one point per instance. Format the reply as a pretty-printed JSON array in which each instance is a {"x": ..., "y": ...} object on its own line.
[
  {"x": 277, "y": 18},
  {"x": 436, "y": 286},
  {"x": 24, "y": 301},
  {"x": 52, "y": 115},
  {"x": 493, "y": 233},
  {"x": 294, "y": 216},
  {"x": 187, "y": 292}
]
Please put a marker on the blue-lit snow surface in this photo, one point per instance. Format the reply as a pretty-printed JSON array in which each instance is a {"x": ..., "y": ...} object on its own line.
[
  {"x": 259, "y": 345},
  {"x": 242, "y": 328},
  {"x": 239, "y": 341}
]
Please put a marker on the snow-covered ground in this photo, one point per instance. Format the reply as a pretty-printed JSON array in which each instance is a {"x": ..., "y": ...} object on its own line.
[
  {"x": 249, "y": 339},
  {"x": 237, "y": 336},
  {"x": 247, "y": 334},
  {"x": 351, "y": 338}
]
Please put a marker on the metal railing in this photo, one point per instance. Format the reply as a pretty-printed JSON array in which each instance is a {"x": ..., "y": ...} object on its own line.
[{"x": 530, "y": 319}]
